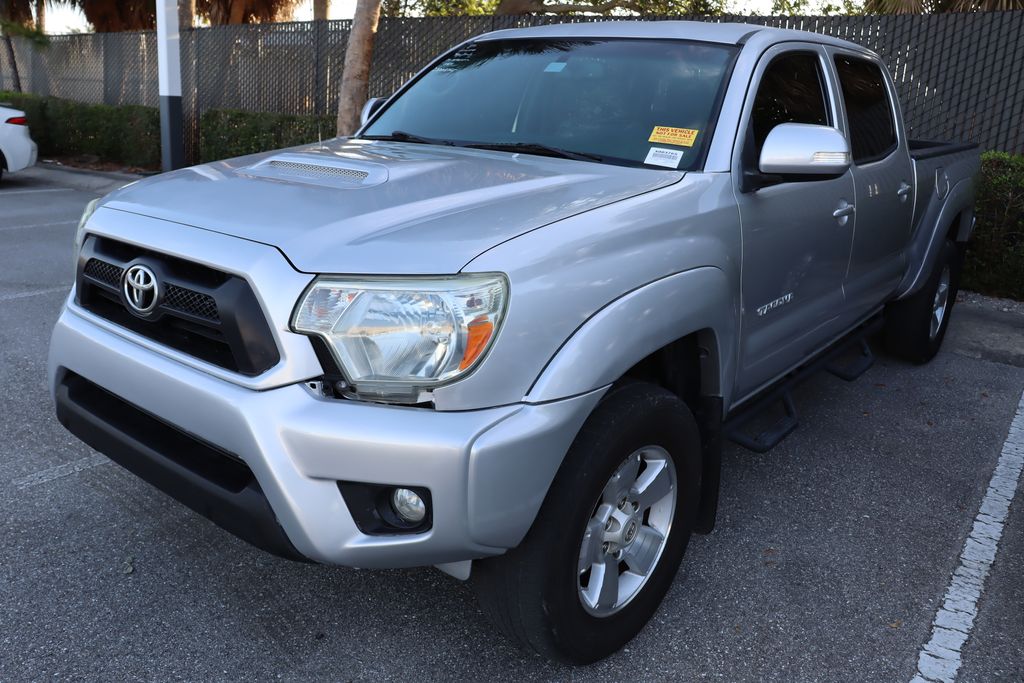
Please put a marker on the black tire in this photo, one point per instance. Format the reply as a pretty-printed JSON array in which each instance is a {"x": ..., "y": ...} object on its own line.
[
  {"x": 908, "y": 323},
  {"x": 532, "y": 592}
]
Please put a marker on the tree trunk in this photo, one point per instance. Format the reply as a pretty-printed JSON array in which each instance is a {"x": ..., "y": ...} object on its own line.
[
  {"x": 355, "y": 77},
  {"x": 15, "y": 77},
  {"x": 237, "y": 13},
  {"x": 186, "y": 14},
  {"x": 5, "y": 14},
  {"x": 320, "y": 10},
  {"x": 41, "y": 16}
]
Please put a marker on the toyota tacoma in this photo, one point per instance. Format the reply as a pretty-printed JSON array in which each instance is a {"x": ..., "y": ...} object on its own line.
[{"x": 505, "y": 327}]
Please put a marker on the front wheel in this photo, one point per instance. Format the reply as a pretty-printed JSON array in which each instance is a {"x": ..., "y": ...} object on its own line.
[{"x": 609, "y": 538}]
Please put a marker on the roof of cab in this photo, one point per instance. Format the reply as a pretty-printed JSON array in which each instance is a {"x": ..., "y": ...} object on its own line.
[{"x": 709, "y": 32}]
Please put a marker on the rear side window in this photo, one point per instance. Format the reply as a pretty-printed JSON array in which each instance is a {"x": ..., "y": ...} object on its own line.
[
  {"x": 791, "y": 91},
  {"x": 872, "y": 133}
]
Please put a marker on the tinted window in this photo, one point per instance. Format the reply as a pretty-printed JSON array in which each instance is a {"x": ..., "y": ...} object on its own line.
[
  {"x": 791, "y": 91},
  {"x": 614, "y": 98},
  {"x": 872, "y": 134}
]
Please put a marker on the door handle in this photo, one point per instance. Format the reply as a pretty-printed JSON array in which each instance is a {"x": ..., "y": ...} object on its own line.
[
  {"x": 845, "y": 209},
  {"x": 904, "y": 190}
]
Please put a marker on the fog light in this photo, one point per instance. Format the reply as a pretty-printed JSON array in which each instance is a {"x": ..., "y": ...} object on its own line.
[{"x": 409, "y": 506}]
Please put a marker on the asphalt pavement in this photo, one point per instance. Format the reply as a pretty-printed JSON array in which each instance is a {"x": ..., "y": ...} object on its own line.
[{"x": 831, "y": 557}]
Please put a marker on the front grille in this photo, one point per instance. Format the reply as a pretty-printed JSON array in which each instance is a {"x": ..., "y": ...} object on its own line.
[
  {"x": 206, "y": 313},
  {"x": 177, "y": 298}
]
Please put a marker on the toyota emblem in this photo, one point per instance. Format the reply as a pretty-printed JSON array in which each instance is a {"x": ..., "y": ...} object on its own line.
[{"x": 141, "y": 289}]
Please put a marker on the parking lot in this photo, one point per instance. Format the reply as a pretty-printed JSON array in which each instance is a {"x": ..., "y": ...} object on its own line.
[{"x": 831, "y": 556}]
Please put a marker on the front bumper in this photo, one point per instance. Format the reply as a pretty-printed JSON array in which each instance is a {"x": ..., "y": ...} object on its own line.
[{"x": 487, "y": 470}]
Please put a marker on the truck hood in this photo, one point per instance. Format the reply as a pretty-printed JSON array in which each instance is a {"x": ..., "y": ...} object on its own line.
[{"x": 362, "y": 207}]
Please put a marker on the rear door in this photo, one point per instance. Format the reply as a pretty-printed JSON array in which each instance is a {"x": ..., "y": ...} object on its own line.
[
  {"x": 795, "y": 250},
  {"x": 884, "y": 176}
]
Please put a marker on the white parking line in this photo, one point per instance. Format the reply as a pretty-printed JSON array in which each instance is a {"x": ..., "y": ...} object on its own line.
[
  {"x": 940, "y": 658},
  {"x": 50, "y": 189},
  {"x": 36, "y": 225},
  {"x": 59, "y": 471},
  {"x": 36, "y": 292}
]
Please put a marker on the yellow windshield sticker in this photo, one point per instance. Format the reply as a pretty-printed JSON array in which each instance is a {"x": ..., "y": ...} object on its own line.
[{"x": 680, "y": 137}]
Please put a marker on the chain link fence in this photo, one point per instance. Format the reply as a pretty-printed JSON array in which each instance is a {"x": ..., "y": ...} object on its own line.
[{"x": 960, "y": 76}]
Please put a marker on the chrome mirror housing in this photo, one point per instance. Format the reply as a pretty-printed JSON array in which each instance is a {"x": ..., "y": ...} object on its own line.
[{"x": 804, "y": 149}]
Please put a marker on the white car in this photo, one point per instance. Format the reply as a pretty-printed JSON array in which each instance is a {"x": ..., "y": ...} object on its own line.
[{"x": 17, "y": 151}]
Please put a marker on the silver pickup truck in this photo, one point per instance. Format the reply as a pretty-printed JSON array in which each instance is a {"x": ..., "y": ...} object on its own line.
[{"x": 505, "y": 328}]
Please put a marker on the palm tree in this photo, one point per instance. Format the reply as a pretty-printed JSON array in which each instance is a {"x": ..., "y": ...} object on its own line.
[
  {"x": 320, "y": 9},
  {"x": 16, "y": 12},
  {"x": 245, "y": 11},
  {"x": 140, "y": 15},
  {"x": 938, "y": 6}
]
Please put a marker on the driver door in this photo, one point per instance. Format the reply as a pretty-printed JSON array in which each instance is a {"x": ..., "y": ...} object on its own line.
[{"x": 795, "y": 251}]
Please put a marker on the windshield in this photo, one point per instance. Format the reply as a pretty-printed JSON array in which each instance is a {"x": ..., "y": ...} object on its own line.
[{"x": 632, "y": 102}]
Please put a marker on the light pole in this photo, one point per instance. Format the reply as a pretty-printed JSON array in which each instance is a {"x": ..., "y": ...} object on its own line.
[{"x": 168, "y": 49}]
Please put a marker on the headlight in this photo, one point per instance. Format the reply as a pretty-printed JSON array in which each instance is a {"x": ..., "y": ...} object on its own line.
[
  {"x": 393, "y": 338},
  {"x": 90, "y": 209}
]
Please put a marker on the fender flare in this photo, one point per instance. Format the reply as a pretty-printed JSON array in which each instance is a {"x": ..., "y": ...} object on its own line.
[
  {"x": 926, "y": 245},
  {"x": 630, "y": 328}
]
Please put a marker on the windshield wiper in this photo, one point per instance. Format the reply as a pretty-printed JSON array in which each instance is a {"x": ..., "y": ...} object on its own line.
[
  {"x": 402, "y": 136},
  {"x": 535, "y": 148}
]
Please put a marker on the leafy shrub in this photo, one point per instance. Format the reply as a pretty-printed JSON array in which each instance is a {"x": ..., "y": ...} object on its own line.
[
  {"x": 231, "y": 133},
  {"x": 127, "y": 134},
  {"x": 995, "y": 256}
]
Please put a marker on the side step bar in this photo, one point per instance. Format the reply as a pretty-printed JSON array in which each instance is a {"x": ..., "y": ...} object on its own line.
[{"x": 782, "y": 390}]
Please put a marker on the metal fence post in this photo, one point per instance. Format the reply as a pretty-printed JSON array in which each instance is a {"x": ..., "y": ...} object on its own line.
[
  {"x": 168, "y": 46},
  {"x": 319, "y": 72}
]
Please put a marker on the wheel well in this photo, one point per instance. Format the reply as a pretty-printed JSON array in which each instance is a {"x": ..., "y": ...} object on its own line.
[
  {"x": 953, "y": 232},
  {"x": 688, "y": 367}
]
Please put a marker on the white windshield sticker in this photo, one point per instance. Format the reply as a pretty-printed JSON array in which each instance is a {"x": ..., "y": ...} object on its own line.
[
  {"x": 659, "y": 156},
  {"x": 554, "y": 67}
]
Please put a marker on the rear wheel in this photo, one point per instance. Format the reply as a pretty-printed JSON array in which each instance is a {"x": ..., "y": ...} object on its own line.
[
  {"x": 609, "y": 538},
  {"x": 916, "y": 326}
]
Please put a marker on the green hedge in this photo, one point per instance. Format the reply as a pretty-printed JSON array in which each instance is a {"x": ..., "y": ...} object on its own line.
[
  {"x": 128, "y": 134},
  {"x": 995, "y": 256},
  {"x": 229, "y": 133}
]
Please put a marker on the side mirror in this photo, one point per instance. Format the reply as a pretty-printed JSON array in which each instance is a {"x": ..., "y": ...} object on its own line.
[
  {"x": 804, "y": 149},
  {"x": 370, "y": 108}
]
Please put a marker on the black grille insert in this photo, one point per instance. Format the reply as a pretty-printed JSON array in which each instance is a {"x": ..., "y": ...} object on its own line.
[
  {"x": 204, "y": 312},
  {"x": 106, "y": 273},
  {"x": 191, "y": 302}
]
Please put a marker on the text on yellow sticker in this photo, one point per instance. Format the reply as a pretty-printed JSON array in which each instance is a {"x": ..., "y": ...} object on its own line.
[{"x": 681, "y": 137}]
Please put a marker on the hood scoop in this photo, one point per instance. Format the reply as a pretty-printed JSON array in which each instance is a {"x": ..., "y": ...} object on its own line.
[{"x": 327, "y": 172}]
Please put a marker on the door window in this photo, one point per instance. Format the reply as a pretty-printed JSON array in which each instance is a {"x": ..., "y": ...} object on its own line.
[
  {"x": 791, "y": 91},
  {"x": 868, "y": 109}
]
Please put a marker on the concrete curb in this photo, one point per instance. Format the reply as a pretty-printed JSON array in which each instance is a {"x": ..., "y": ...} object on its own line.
[{"x": 99, "y": 182}]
